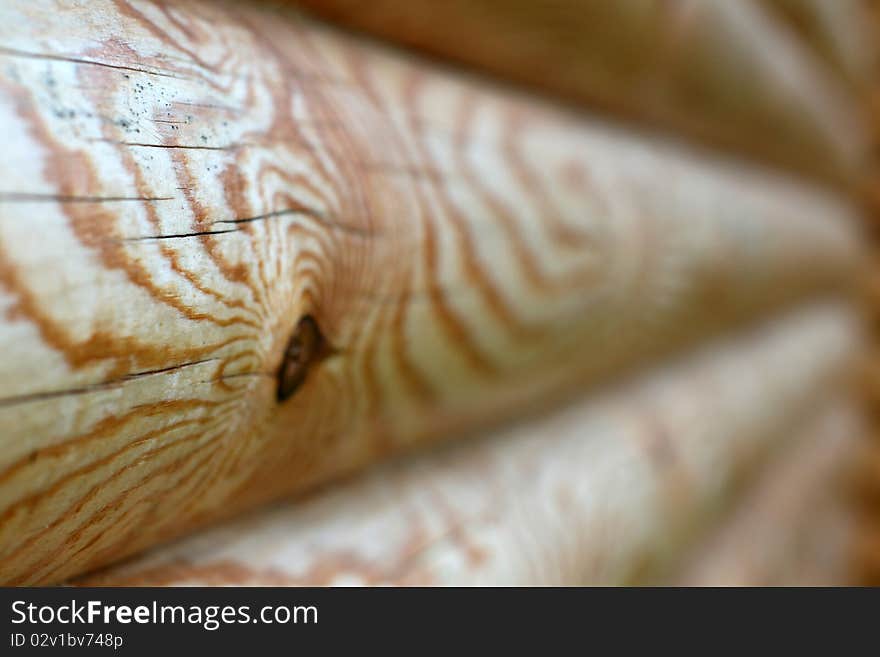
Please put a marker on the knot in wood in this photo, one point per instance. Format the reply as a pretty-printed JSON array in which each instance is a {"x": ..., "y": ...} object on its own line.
[{"x": 302, "y": 351}]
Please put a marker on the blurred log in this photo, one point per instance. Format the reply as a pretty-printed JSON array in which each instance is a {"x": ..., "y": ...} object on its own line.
[
  {"x": 201, "y": 199},
  {"x": 795, "y": 525},
  {"x": 842, "y": 33},
  {"x": 867, "y": 553},
  {"x": 605, "y": 492},
  {"x": 733, "y": 74}
]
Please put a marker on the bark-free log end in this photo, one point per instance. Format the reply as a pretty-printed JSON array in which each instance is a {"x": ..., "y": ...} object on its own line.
[{"x": 305, "y": 347}]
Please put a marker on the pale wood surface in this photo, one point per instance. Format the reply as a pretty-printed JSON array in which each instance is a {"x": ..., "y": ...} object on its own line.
[
  {"x": 602, "y": 492},
  {"x": 181, "y": 185}
]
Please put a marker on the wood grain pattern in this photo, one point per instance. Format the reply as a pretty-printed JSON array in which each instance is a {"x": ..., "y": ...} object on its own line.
[
  {"x": 608, "y": 491},
  {"x": 775, "y": 79},
  {"x": 781, "y": 80},
  {"x": 182, "y": 183}
]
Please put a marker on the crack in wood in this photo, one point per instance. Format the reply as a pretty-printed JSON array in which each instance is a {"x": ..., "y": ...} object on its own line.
[
  {"x": 12, "y": 52},
  {"x": 147, "y": 238},
  {"x": 97, "y": 387},
  {"x": 303, "y": 212},
  {"x": 26, "y": 197},
  {"x": 193, "y": 147}
]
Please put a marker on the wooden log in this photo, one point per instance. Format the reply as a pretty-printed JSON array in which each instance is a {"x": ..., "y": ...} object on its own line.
[
  {"x": 843, "y": 33},
  {"x": 732, "y": 74},
  {"x": 795, "y": 525},
  {"x": 867, "y": 552},
  {"x": 201, "y": 199},
  {"x": 604, "y": 492}
]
